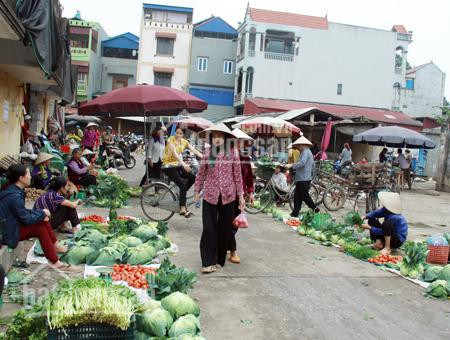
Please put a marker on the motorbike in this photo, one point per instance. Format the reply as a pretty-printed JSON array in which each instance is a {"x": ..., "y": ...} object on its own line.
[
  {"x": 343, "y": 169},
  {"x": 120, "y": 155}
]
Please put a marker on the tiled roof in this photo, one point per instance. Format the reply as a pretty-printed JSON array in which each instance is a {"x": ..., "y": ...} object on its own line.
[
  {"x": 399, "y": 29},
  {"x": 258, "y": 105},
  {"x": 414, "y": 69},
  {"x": 290, "y": 19}
]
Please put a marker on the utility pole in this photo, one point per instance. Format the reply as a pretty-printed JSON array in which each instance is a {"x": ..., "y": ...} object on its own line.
[{"x": 443, "y": 159}]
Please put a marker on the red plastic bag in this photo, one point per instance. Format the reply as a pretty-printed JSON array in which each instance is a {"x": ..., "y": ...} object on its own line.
[{"x": 240, "y": 221}]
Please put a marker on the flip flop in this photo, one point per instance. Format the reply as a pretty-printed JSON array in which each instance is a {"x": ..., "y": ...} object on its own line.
[
  {"x": 209, "y": 270},
  {"x": 188, "y": 214}
]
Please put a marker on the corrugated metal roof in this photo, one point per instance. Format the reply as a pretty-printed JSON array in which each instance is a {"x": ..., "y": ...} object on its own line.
[
  {"x": 290, "y": 19},
  {"x": 169, "y": 8}
]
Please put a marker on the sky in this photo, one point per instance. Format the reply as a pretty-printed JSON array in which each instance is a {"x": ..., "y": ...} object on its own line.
[{"x": 429, "y": 20}]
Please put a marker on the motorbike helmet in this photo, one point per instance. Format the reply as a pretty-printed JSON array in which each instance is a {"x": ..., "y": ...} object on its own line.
[{"x": 109, "y": 128}]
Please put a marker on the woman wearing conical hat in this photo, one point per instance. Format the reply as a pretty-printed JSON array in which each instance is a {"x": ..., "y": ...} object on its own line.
[{"x": 41, "y": 174}]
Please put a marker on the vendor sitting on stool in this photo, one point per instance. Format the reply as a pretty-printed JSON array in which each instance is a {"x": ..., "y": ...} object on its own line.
[{"x": 393, "y": 231}]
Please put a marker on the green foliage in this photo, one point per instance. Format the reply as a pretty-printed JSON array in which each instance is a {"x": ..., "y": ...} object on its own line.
[
  {"x": 187, "y": 324},
  {"x": 439, "y": 289},
  {"x": 432, "y": 273},
  {"x": 145, "y": 232},
  {"x": 131, "y": 241},
  {"x": 92, "y": 237},
  {"x": 27, "y": 325},
  {"x": 142, "y": 254},
  {"x": 414, "y": 259},
  {"x": 445, "y": 273},
  {"x": 110, "y": 191}
]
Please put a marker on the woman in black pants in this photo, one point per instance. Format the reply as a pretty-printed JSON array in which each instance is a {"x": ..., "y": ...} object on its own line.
[
  {"x": 155, "y": 154},
  {"x": 176, "y": 169},
  {"x": 62, "y": 210}
]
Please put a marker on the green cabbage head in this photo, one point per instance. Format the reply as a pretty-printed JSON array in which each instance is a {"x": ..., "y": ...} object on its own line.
[
  {"x": 179, "y": 304},
  {"x": 156, "y": 322},
  {"x": 439, "y": 289},
  {"x": 187, "y": 324}
]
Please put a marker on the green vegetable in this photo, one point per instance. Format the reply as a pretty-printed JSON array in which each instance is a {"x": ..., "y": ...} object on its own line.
[
  {"x": 439, "y": 289},
  {"x": 78, "y": 254},
  {"x": 190, "y": 337},
  {"x": 145, "y": 233},
  {"x": 106, "y": 256},
  {"x": 334, "y": 239},
  {"x": 131, "y": 241},
  {"x": 301, "y": 230},
  {"x": 163, "y": 228},
  {"x": 92, "y": 237},
  {"x": 432, "y": 273},
  {"x": 142, "y": 254},
  {"x": 445, "y": 273},
  {"x": 353, "y": 218},
  {"x": 414, "y": 259},
  {"x": 15, "y": 276},
  {"x": 156, "y": 322},
  {"x": 112, "y": 214},
  {"x": 27, "y": 324},
  {"x": 179, "y": 304},
  {"x": 187, "y": 324},
  {"x": 151, "y": 305},
  {"x": 123, "y": 227},
  {"x": 141, "y": 336}
]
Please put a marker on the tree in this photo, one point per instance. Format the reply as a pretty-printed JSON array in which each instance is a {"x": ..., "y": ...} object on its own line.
[{"x": 441, "y": 172}]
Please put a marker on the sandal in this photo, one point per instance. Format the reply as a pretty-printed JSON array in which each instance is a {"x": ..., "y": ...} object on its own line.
[
  {"x": 209, "y": 270},
  {"x": 188, "y": 214}
]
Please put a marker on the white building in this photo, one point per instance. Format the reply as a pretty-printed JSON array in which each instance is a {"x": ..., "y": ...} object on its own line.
[
  {"x": 165, "y": 45},
  {"x": 424, "y": 91},
  {"x": 306, "y": 58}
]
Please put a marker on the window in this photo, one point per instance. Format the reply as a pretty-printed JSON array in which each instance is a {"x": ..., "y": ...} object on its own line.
[
  {"x": 119, "y": 81},
  {"x": 202, "y": 64},
  {"x": 164, "y": 46},
  {"x": 339, "y": 89},
  {"x": 163, "y": 79},
  {"x": 410, "y": 84},
  {"x": 82, "y": 77},
  {"x": 228, "y": 67}
]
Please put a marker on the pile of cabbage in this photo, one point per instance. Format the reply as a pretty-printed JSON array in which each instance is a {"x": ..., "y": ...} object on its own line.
[
  {"x": 440, "y": 281},
  {"x": 176, "y": 316},
  {"x": 95, "y": 248}
]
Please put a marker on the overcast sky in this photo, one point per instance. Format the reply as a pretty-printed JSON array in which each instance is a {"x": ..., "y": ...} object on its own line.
[{"x": 429, "y": 20}]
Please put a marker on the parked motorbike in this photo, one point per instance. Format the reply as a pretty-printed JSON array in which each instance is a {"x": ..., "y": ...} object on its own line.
[{"x": 120, "y": 155}]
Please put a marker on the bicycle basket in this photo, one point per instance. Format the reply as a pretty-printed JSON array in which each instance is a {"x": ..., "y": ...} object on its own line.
[{"x": 264, "y": 171}]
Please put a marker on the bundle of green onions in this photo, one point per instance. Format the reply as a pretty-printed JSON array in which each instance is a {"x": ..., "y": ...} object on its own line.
[{"x": 90, "y": 301}]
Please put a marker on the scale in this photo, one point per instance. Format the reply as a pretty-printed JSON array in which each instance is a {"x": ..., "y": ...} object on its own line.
[{"x": 105, "y": 273}]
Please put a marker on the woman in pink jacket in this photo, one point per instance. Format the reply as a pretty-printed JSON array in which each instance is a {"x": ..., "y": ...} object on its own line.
[{"x": 220, "y": 180}]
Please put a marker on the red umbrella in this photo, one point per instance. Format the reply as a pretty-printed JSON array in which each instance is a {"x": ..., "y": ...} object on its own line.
[
  {"x": 322, "y": 154},
  {"x": 142, "y": 100}
]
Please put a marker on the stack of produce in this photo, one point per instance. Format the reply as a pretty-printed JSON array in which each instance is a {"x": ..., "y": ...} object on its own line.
[
  {"x": 439, "y": 278},
  {"x": 32, "y": 194},
  {"x": 111, "y": 191},
  {"x": 90, "y": 301},
  {"x": 175, "y": 316},
  {"x": 265, "y": 167},
  {"x": 413, "y": 262},
  {"x": 134, "y": 276}
]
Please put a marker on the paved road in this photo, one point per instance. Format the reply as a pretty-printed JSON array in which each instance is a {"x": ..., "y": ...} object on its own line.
[{"x": 287, "y": 288}]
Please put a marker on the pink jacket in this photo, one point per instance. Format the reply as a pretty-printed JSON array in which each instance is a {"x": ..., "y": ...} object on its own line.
[{"x": 224, "y": 179}]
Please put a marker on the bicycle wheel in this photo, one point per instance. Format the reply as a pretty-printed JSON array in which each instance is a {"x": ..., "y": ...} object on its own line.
[
  {"x": 314, "y": 193},
  {"x": 158, "y": 202},
  {"x": 334, "y": 198},
  {"x": 263, "y": 197}
]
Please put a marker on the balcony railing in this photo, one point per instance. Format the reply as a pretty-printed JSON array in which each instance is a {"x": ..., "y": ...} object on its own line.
[
  {"x": 81, "y": 88},
  {"x": 168, "y": 25},
  {"x": 398, "y": 70},
  {"x": 404, "y": 36},
  {"x": 251, "y": 53},
  {"x": 278, "y": 56}
]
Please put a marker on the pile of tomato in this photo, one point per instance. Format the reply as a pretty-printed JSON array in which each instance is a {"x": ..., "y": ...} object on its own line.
[
  {"x": 135, "y": 276},
  {"x": 383, "y": 259},
  {"x": 293, "y": 223},
  {"x": 124, "y": 218},
  {"x": 94, "y": 218}
]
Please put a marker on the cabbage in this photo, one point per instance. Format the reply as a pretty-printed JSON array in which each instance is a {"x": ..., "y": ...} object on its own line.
[
  {"x": 432, "y": 273},
  {"x": 141, "y": 254},
  {"x": 190, "y": 337},
  {"x": 141, "y": 336},
  {"x": 445, "y": 273},
  {"x": 151, "y": 305},
  {"x": 106, "y": 256},
  {"x": 334, "y": 239},
  {"x": 439, "y": 289},
  {"x": 131, "y": 241},
  {"x": 78, "y": 254},
  {"x": 95, "y": 238},
  {"x": 187, "y": 324},
  {"x": 156, "y": 322},
  {"x": 118, "y": 245},
  {"x": 179, "y": 304},
  {"x": 145, "y": 233},
  {"x": 301, "y": 230}
]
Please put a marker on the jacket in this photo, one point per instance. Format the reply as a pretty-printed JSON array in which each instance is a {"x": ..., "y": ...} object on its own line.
[
  {"x": 14, "y": 214},
  {"x": 401, "y": 226},
  {"x": 76, "y": 170},
  {"x": 304, "y": 167}
]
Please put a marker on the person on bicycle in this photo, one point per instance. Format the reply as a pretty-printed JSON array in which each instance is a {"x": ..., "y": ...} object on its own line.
[
  {"x": 176, "y": 169},
  {"x": 220, "y": 180},
  {"x": 303, "y": 175},
  {"x": 155, "y": 155},
  {"x": 244, "y": 147},
  {"x": 393, "y": 231}
]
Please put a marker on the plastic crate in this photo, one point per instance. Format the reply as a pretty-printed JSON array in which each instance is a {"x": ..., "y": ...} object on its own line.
[
  {"x": 438, "y": 254},
  {"x": 92, "y": 331}
]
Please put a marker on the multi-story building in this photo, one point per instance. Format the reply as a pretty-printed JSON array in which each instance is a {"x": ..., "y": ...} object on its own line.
[
  {"x": 307, "y": 58},
  {"x": 85, "y": 46},
  {"x": 212, "y": 70},
  {"x": 119, "y": 62},
  {"x": 165, "y": 45},
  {"x": 423, "y": 95}
]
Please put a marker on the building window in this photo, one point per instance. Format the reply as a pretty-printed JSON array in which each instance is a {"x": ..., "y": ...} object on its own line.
[
  {"x": 228, "y": 67},
  {"x": 164, "y": 46},
  {"x": 163, "y": 79},
  {"x": 249, "y": 82},
  {"x": 279, "y": 42},
  {"x": 202, "y": 64},
  {"x": 82, "y": 77},
  {"x": 119, "y": 81},
  {"x": 410, "y": 84},
  {"x": 339, "y": 89}
]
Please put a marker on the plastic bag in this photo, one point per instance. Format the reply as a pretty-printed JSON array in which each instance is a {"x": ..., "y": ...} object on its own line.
[
  {"x": 437, "y": 240},
  {"x": 240, "y": 221}
]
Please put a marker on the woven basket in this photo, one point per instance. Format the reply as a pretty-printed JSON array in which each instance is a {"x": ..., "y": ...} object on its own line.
[{"x": 438, "y": 254}]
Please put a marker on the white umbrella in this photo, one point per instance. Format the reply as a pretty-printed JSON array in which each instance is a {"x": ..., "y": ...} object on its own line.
[{"x": 267, "y": 125}]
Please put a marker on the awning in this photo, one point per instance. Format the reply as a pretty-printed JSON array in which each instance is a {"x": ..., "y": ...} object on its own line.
[
  {"x": 163, "y": 69},
  {"x": 166, "y": 35}
]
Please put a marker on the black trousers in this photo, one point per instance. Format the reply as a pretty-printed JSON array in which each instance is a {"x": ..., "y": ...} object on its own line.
[
  {"x": 388, "y": 230},
  {"x": 2, "y": 279},
  {"x": 184, "y": 180},
  {"x": 232, "y": 244},
  {"x": 87, "y": 180},
  {"x": 153, "y": 171},
  {"x": 301, "y": 195},
  {"x": 64, "y": 214},
  {"x": 217, "y": 221}
]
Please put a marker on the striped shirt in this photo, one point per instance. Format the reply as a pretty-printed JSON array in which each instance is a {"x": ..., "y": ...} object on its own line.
[{"x": 51, "y": 200}]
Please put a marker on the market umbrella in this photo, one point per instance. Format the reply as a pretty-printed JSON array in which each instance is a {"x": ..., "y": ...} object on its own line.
[
  {"x": 142, "y": 100},
  {"x": 196, "y": 124},
  {"x": 81, "y": 119},
  {"x": 394, "y": 136},
  {"x": 322, "y": 155},
  {"x": 266, "y": 126}
]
